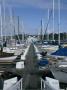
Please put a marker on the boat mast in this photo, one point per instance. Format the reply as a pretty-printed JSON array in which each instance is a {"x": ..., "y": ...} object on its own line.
[
  {"x": 11, "y": 22},
  {"x": 14, "y": 35},
  {"x": 49, "y": 16},
  {"x": 59, "y": 22},
  {"x": 53, "y": 21},
  {"x": 1, "y": 25},
  {"x": 38, "y": 34},
  {"x": 18, "y": 25},
  {"x": 48, "y": 28},
  {"x": 23, "y": 31},
  {"x": 14, "y": 25},
  {"x": 41, "y": 32},
  {"x": 18, "y": 31},
  {"x": 4, "y": 28}
]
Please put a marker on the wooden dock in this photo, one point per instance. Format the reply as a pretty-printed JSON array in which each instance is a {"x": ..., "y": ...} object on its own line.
[{"x": 31, "y": 80}]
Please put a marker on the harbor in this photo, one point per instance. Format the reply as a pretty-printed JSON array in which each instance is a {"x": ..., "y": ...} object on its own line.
[
  {"x": 32, "y": 71},
  {"x": 33, "y": 45}
]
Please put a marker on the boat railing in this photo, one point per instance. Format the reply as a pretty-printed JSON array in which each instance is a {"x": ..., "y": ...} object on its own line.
[
  {"x": 42, "y": 84},
  {"x": 50, "y": 84},
  {"x": 17, "y": 86}
]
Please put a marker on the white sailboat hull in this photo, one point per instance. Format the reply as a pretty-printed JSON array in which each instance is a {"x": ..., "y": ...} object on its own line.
[
  {"x": 59, "y": 75},
  {"x": 57, "y": 57},
  {"x": 8, "y": 58},
  {"x": 16, "y": 51}
]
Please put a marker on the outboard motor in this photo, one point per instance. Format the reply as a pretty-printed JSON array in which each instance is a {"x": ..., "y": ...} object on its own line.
[
  {"x": 5, "y": 44},
  {"x": 43, "y": 53},
  {"x": 60, "y": 46}
]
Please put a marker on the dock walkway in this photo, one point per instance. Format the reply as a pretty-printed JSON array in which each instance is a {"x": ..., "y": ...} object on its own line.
[{"x": 31, "y": 80}]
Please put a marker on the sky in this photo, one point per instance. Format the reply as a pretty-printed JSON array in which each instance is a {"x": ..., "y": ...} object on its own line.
[{"x": 31, "y": 12}]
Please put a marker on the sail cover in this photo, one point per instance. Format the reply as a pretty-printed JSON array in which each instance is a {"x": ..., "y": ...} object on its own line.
[{"x": 61, "y": 52}]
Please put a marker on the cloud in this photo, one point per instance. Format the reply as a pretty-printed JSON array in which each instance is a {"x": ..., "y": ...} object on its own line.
[{"x": 42, "y": 4}]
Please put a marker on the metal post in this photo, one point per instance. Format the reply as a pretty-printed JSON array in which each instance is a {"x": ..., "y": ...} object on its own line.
[
  {"x": 41, "y": 84},
  {"x": 21, "y": 84}
]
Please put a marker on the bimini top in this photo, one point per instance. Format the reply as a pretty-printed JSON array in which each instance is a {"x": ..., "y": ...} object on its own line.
[{"x": 61, "y": 52}]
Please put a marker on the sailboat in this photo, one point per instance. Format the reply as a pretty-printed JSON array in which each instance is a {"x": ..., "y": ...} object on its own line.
[
  {"x": 61, "y": 52},
  {"x": 5, "y": 55},
  {"x": 46, "y": 46},
  {"x": 59, "y": 70}
]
